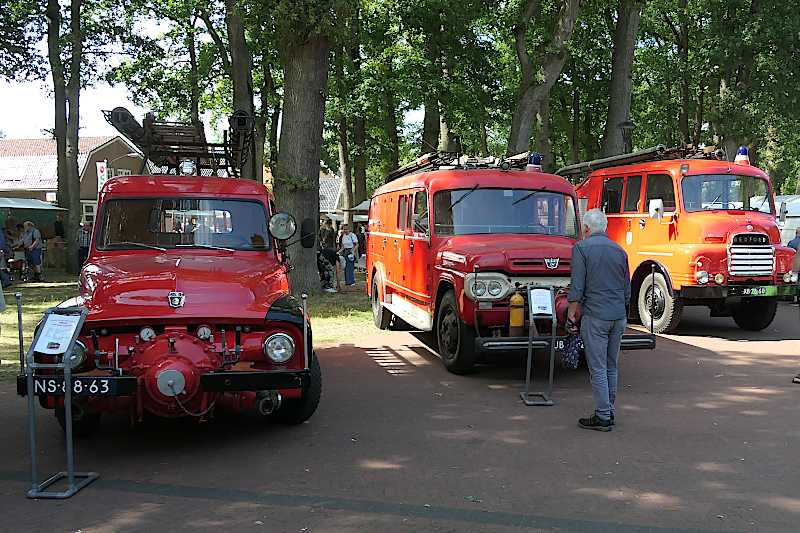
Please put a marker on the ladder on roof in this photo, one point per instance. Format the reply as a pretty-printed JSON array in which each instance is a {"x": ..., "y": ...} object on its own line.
[
  {"x": 654, "y": 153},
  {"x": 437, "y": 160}
]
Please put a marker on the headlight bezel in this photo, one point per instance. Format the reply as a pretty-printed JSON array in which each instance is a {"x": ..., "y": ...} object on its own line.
[
  {"x": 79, "y": 348},
  {"x": 269, "y": 349},
  {"x": 487, "y": 280},
  {"x": 702, "y": 277},
  {"x": 147, "y": 329}
]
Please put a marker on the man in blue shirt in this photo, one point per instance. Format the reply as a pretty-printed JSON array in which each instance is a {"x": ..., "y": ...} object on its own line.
[
  {"x": 795, "y": 243},
  {"x": 601, "y": 289}
]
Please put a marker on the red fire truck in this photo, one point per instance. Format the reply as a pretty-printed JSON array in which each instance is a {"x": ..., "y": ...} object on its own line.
[
  {"x": 452, "y": 242},
  {"x": 706, "y": 225},
  {"x": 189, "y": 306}
]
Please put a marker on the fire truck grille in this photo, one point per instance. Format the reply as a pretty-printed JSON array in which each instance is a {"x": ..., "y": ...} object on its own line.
[{"x": 751, "y": 260}]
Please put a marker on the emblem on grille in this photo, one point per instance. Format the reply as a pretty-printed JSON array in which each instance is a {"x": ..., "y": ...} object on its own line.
[
  {"x": 176, "y": 299},
  {"x": 551, "y": 262}
]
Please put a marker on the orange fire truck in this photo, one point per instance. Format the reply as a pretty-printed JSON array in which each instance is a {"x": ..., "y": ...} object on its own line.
[{"x": 707, "y": 226}]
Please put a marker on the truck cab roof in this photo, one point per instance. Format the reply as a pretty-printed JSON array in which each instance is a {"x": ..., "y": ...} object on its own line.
[{"x": 159, "y": 185}]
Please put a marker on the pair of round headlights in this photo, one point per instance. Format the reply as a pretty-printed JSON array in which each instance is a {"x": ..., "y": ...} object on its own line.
[{"x": 493, "y": 288}]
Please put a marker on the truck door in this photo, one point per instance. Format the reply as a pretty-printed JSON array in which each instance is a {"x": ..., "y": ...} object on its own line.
[
  {"x": 418, "y": 260},
  {"x": 612, "y": 207},
  {"x": 656, "y": 236},
  {"x": 631, "y": 207}
]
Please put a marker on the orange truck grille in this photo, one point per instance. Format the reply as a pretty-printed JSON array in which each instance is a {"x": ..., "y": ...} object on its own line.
[{"x": 751, "y": 260}]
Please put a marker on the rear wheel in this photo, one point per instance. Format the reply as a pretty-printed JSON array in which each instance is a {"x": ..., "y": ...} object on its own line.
[
  {"x": 84, "y": 423},
  {"x": 755, "y": 314},
  {"x": 666, "y": 308},
  {"x": 295, "y": 411},
  {"x": 380, "y": 315},
  {"x": 456, "y": 340}
]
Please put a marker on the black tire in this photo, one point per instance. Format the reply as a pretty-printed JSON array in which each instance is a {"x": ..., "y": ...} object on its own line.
[
  {"x": 755, "y": 314},
  {"x": 295, "y": 411},
  {"x": 380, "y": 315},
  {"x": 456, "y": 340},
  {"x": 667, "y": 309},
  {"x": 84, "y": 423}
]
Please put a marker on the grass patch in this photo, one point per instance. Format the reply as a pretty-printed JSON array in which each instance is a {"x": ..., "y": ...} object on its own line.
[
  {"x": 36, "y": 299},
  {"x": 335, "y": 317}
]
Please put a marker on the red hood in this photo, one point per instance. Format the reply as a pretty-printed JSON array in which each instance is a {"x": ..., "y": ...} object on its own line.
[
  {"x": 511, "y": 253},
  {"x": 135, "y": 285}
]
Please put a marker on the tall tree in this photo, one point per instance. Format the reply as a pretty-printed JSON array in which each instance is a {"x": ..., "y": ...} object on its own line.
[
  {"x": 619, "y": 92},
  {"x": 535, "y": 83}
]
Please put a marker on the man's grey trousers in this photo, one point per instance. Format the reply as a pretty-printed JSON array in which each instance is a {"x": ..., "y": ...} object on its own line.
[{"x": 601, "y": 339}]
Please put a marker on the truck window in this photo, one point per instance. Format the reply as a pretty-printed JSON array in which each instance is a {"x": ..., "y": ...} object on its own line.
[
  {"x": 633, "y": 193},
  {"x": 420, "y": 222},
  {"x": 401, "y": 212},
  {"x": 612, "y": 195},
  {"x": 134, "y": 223},
  {"x": 660, "y": 186},
  {"x": 705, "y": 192}
]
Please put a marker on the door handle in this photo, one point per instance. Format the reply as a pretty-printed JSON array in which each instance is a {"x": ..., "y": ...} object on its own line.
[
  {"x": 411, "y": 245},
  {"x": 641, "y": 223},
  {"x": 384, "y": 242}
]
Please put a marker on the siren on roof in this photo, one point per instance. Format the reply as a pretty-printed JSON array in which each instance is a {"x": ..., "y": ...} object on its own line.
[
  {"x": 534, "y": 161},
  {"x": 742, "y": 156}
]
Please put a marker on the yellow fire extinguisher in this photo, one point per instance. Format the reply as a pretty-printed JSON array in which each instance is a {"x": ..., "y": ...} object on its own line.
[{"x": 516, "y": 320}]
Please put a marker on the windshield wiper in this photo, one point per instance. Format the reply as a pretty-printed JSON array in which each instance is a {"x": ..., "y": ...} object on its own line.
[
  {"x": 139, "y": 244},
  {"x": 472, "y": 190},
  {"x": 515, "y": 202},
  {"x": 715, "y": 201},
  {"x": 208, "y": 246}
]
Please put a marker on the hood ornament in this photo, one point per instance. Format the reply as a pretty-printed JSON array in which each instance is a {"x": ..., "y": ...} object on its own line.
[
  {"x": 176, "y": 299},
  {"x": 551, "y": 262}
]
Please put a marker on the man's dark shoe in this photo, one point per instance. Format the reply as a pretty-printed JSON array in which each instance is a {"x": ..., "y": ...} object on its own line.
[
  {"x": 596, "y": 423},
  {"x": 796, "y": 379}
]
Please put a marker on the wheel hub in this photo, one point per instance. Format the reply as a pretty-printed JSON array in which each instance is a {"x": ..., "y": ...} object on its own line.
[{"x": 655, "y": 301}]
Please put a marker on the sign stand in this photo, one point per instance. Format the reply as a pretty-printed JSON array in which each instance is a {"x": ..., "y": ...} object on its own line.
[
  {"x": 541, "y": 304},
  {"x": 60, "y": 329}
]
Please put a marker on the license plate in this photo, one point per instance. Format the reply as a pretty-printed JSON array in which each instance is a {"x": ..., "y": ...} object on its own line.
[
  {"x": 759, "y": 291},
  {"x": 81, "y": 386}
]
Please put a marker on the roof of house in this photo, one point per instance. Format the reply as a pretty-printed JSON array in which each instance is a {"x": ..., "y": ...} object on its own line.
[
  {"x": 330, "y": 189},
  {"x": 31, "y": 164}
]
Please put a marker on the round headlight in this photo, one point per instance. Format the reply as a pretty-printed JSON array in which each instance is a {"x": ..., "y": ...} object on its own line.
[
  {"x": 495, "y": 288},
  {"x": 479, "y": 288},
  {"x": 701, "y": 276},
  {"x": 78, "y": 355},
  {"x": 787, "y": 278},
  {"x": 204, "y": 333},
  {"x": 279, "y": 347},
  {"x": 147, "y": 334},
  {"x": 719, "y": 279}
]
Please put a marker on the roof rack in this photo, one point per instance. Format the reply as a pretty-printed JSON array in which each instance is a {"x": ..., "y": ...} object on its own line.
[
  {"x": 169, "y": 144},
  {"x": 453, "y": 160},
  {"x": 655, "y": 153}
]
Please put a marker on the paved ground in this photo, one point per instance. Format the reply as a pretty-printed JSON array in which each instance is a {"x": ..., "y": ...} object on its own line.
[{"x": 708, "y": 439}]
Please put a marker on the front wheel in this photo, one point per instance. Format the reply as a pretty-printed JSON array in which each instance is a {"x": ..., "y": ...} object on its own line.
[
  {"x": 456, "y": 340},
  {"x": 666, "y": 309},
  {"x": 295, "y": 411},
  {"x": 755, "y": 314},
  {"x": 380, "y": 315}
]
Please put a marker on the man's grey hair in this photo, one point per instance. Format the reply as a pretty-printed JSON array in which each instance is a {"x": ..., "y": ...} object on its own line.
[{"x": 595, "y": 220}]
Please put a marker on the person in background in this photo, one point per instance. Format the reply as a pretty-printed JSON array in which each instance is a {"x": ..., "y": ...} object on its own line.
[
  {"x": 795, "y": 243},
  {"x": 84, "y": 241},
  {"x": 362, "y": 240},
  {"x": 601, "y": 287},
  {"x": 348, "y": 250},
  {"x": 58, "y": 226},
  {"x": 32, "y": 241},
  {"x": 327, "y": 235}
]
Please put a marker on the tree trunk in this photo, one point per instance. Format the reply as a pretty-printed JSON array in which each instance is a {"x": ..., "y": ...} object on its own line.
[
  {"x": 305, "y": 74},
  {"x": 430, "y": 125},
  {"x": 359, "y": 160},
  {"x": 619, "y": 92},
  {"x": 698, "y": 115},
  {"x": 73, "y": 124},
  {"x": 574, "y": 143},
  {"x": 59, "y": 98},
  {"x": 483, "y": 141},
  {"x": 390, "y": 127},
  {"x": 273, "y": 134},
  {"x": 588, "y": 137},
  {"x": 532, "y": 88},
  {"x": 345, "y": 171},
  {"x": 242, "y": 78},
  {"x": 447, "y": 141},
  {"x": 543, "y": 145}
]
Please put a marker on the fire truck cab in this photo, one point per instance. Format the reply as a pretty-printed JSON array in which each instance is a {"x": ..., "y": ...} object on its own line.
[
  {"x": 449, "y": 244},
  {"x": 707, "y": 226}
]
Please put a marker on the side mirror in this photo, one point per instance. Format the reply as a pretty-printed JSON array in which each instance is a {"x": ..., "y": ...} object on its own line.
[
  {"x": 656, "y": 208},
  {"x": 308, "y": 233},
  {"x": 784, "y": 211},
  {"x": 282, "y": 226}
]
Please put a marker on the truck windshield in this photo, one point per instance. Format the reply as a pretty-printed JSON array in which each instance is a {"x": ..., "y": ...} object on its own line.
[
  {"x": 726, "y": 191},
  {"x": 477, "y": 211},
  {"x": 134, "y": 223}
]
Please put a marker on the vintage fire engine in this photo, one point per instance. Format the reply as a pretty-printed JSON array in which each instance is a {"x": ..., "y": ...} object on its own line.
[
  {"x": 189, "y": 306},
  {"x": 453, "y": 243},
  {"x": 707, "y": 226}
]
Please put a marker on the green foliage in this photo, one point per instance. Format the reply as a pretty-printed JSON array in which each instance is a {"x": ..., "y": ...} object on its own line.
[{"x": 22, "y": 25}]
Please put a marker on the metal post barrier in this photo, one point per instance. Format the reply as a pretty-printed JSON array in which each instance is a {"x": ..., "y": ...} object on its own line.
[
  {"x": 39, "y": 490},
  {"x": 540, "y": 398}
]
